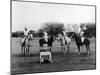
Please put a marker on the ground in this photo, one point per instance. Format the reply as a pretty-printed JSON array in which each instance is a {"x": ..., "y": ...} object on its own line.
[{"x": 68, "y": 62}]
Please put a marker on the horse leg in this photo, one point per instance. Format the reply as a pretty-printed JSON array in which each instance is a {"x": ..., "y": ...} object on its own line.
[
  {"x": 21, "y": 50},
  {"x": 63, "y": 49},
  {"x": 28, "y": 47},
  {"x": 24, "y": 50},
  {"x": 78, "y": 49},
  {"x": 88, "y": 49},
  {"x": 27, "y": 50},
  {"x": 68, "y": 46}
]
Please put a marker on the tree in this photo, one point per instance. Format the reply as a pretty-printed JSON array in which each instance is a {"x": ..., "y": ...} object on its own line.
[
  {"x": 53, "y": 28},
  {"x": 32, "y": 32},
  {"x": 18, "y": 34},
  {"x": 91, "y": 30},
  {"x": 39, "y": 33}
]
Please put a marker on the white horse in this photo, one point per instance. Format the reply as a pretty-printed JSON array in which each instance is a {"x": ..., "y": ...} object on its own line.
[
  {"x": 62, "y": 42},
  {"x": 65, "y": 41},
  {"x": 25, "y": 45}
]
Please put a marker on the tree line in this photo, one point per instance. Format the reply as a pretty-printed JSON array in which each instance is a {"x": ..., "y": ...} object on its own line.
[{"x": 53, "y": 28}]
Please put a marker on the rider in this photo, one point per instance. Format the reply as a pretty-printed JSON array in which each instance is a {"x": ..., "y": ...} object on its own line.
[
  {"x": 25, "y": 33},
  {"x": 45, "y": 35},
  {"x": 66, "y": 38},
  {"x": 81, "y": 33}
]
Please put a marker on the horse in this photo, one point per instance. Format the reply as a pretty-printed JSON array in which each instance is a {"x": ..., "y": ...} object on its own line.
[
  {"x": 68, "y": 38},
  {"x": 65, "y": 40},
  {"x": 79, "y": 42},
  {"x": 62, "y": 41},
  {"x": 25, "y": 45}
]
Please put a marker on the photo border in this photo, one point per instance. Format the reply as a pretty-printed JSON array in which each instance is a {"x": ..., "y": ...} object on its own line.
[{"x": 95, "y": 6}]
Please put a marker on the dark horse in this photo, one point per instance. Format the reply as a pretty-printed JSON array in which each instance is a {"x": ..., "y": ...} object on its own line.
[
  {"x": 49, "y": 42},
  {"x": 79, "y": 43}
]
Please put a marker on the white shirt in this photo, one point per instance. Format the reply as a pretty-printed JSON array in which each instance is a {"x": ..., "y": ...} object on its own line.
[
  {"x": 64, "y": 32},
  {"x": 45, "y": 33},
  {"x": 25, "y": 32},
  {"x": 45, "y": 36},
  {"x": 79, "y": 30}
]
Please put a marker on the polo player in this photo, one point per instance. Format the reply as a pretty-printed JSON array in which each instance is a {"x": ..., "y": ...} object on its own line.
[
  {"x": 45, "y": 36},
  {"x": 25, "y": 34},
  {"x": 81, "y": 33}
]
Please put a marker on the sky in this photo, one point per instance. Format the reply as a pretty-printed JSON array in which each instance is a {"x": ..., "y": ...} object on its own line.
[{"x": 32, "y": 15}]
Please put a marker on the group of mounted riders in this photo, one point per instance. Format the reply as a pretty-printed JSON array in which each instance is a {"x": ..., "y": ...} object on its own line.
[{"x": 63, "y": 37}]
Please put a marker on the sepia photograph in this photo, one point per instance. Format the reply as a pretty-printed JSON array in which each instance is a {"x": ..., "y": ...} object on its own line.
[{"x": 52, "y": 37}]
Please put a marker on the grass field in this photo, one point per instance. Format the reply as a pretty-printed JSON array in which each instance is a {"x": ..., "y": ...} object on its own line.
[{"x": 69, "y": 62}]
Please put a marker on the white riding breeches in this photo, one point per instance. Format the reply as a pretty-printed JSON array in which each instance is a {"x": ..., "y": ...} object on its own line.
[
  {"x": 46, "y": 38},
  {"x": 82, "y": 39}
]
